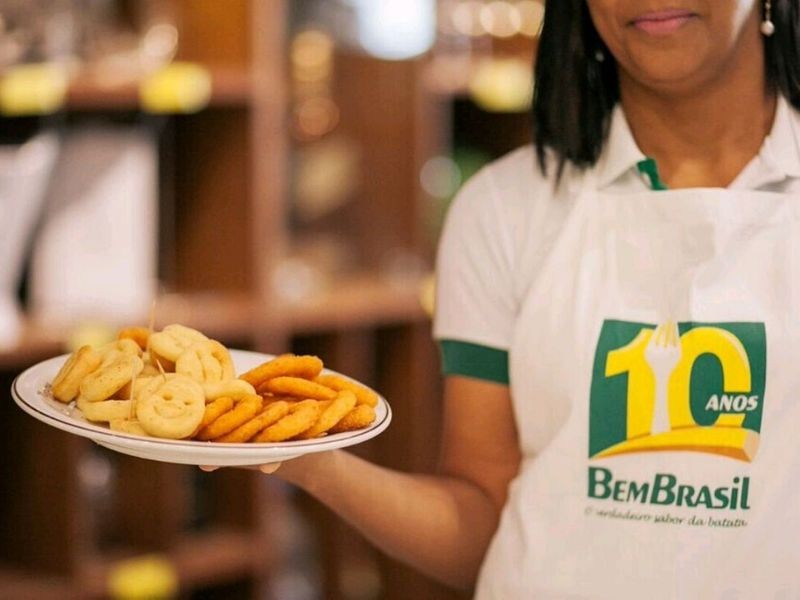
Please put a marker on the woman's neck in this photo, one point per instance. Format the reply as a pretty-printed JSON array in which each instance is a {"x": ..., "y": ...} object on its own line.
[{"x": 703, "y": 138}]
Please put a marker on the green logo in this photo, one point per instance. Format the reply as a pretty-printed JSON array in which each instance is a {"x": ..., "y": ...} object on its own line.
[{"x": 678, "y": 386}]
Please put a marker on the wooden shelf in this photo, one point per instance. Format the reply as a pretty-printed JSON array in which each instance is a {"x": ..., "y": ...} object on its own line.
[
  {"x": 17, "y": 583},
  {"x": 198, "y": 559},
  {"x": 364, "y": 300},
  {"x": 361, "y": 301},
  {"x": 37, "y": 344},
  {"x": 230, "y": 87},
  {"x": 224, "y": 315}
]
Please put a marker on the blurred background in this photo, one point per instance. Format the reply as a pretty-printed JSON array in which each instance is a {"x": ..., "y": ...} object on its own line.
[{"x": 274, "y": 173}]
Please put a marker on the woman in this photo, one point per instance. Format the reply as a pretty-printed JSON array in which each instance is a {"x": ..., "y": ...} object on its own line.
[{"x": 612, "y": 424}]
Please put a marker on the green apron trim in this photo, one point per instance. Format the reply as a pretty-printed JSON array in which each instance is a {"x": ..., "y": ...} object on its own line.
[
  {"x": 473, "y": 360},
  {"x": 649, "y": 168}
]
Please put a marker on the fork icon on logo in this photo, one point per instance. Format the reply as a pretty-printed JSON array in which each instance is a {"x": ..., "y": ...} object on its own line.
[{"x": 663, "y": 352}]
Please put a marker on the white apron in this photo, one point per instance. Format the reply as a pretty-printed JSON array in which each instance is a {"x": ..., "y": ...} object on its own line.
[{"x": 662, "y": 462}]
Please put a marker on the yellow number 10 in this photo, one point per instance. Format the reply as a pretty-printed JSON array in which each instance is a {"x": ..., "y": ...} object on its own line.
[{"x": 642, "y": 383}]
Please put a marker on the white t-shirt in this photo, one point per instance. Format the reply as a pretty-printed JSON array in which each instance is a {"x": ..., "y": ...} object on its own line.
[{"x": 592, "y": 515}]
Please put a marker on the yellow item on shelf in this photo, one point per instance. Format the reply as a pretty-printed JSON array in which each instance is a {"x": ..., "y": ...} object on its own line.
[
  {"x": 180, "y": 87},
  {"x": 145, "y": 577},
  {"x": 33, "y": 89}
]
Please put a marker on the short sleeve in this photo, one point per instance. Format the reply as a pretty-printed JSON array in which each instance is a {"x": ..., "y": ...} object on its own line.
[{"x": 475, "y": 305}]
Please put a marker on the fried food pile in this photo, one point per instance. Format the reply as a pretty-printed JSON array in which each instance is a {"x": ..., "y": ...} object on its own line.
[{"x": 179, "y": 384}]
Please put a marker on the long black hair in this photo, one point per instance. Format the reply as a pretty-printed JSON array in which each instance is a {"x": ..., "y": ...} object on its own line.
[{"x": 577, "y": 86}]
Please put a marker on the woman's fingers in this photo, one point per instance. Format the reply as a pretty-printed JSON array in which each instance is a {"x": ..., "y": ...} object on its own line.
[{"x": 266, "y": 469}]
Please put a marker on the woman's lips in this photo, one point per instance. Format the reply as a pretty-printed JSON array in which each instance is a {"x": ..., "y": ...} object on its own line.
[{"x": 663, "y": 22}]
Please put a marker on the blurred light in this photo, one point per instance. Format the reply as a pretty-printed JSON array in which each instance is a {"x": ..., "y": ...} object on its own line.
[
  {"x": 160, "y": 42},
  {"x": 94, "y": 333},
  {"x": 295, "y": 279},
  {"x": 396, "y": 29},
  {"x": 141, "y": 577},
  {"x": 312, "y": 55},
  {"x": 402, "y": 269},
  {"x": 179, "y": 87},
  {"x": 427, "y": 294},
  {"x": 500, "y": 19},
  {"x": 440, "y": 177},
  {"x": 316, "y": 116},
  {"x": 532, "y": 14},
  {"x": 466, "y": 18},
  {"x": 33, "y": 89},
  {"x": 502, "y": 85}
]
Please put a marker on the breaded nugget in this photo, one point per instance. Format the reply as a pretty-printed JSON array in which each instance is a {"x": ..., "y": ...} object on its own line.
[
  {"x": 302, "y": 416},
  {"x": 364, "y": 395},
  {"x": 331, "y": 414},
  {"x": 291, "y": 365},
  {"x": 232, "y": 388},
  {"x": 215, "y": 409},
  {"x": 298, "y": 387},
  {"x": 242, "y": 411},
  {"x": 271, "y": 413},
  {"x": 360, "y": 417}
]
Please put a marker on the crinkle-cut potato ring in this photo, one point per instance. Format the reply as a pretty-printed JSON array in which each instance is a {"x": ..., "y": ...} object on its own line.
[
  {"x": 67, "y": 382},
  {"x": 117, "y": 369},
  {"x": 232, "y": 388},
  {"x": 206, "y": 362},
  {"x": 246, "y": 431},
  {"x": 171, "y": 341},
  {"x": 104, "y": 410},
  {"x": 140, "y": 335},
  {"x": 127, "y": 426},
  {"x": 364, "y": 395},
  {"x": 244, "y": 410},
  {"x": 280, "y": 398},
  {"x": 330, "y": 415},
  {"x": 172, "y": 408},
  {"x": 301, "y": 416},
  {"x": 360, "y": 417},
  {"x": 214, "y": 410},
  {"x": 305, "y": 366},
  {"x": 301, "y": 388}
]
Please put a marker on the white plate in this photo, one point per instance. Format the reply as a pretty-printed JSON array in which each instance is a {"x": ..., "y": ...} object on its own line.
[{"x": 28, "y": 392}]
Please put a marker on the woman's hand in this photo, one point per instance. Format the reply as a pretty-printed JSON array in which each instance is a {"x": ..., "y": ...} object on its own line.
[
  {"x": 440, "y": 523},
  {"x": 267, "y": 468}
]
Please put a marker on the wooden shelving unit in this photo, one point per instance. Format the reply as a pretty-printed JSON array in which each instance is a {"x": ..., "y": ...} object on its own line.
[
  {"x": 230, "y": 193},
  {"x": 230, "y": 87}
]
